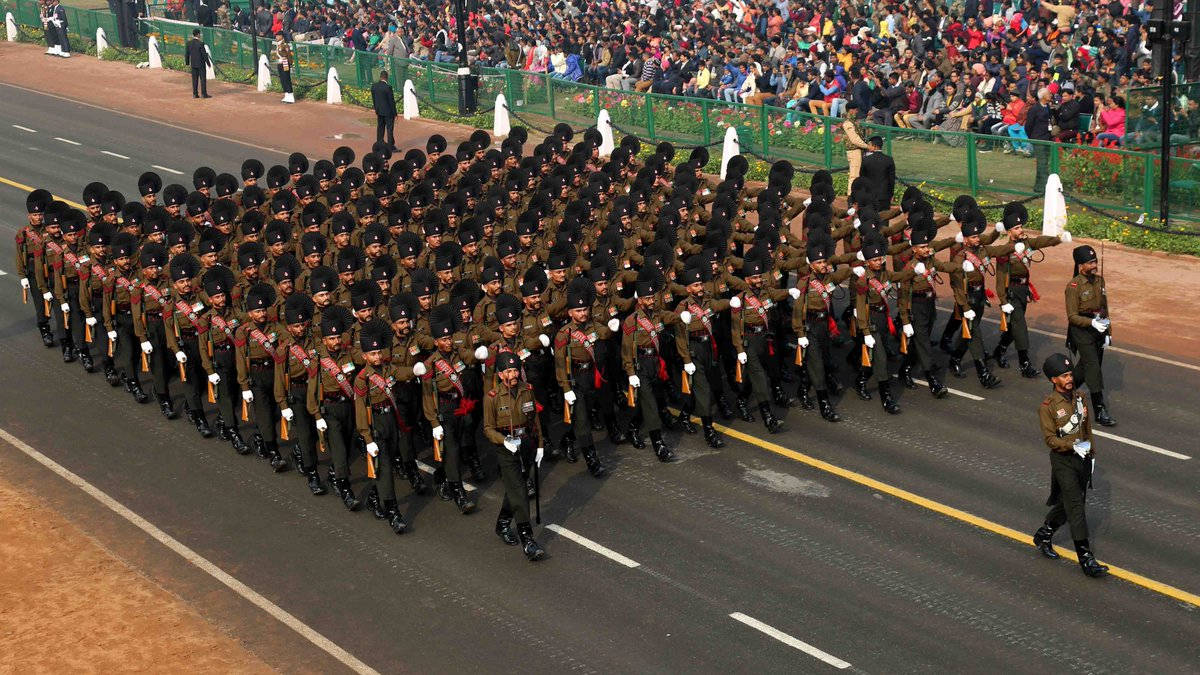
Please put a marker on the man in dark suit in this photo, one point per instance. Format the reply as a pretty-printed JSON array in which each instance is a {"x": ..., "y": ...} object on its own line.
[
  {"x": 1037, "y": 127},
  {"x": 384, "y": 100},
  {"x": 881, "y": 169},
  {"x": 196, "y": 57}
]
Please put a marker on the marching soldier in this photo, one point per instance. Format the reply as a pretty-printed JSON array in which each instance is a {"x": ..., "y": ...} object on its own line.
[
  {"x": 918, "y": 310},
  {"x": 185, "y": 326},
  {"x": 297, "y": 364},
  {"x": 258, "y": 352},
  {"x": 972, "y": 262},
  {"x": 95, "y": 276},
  {"x": 577, "y": 365},
  {"x": 875, "y": 286},
  {"x": 642, "y": 361},
  {"x": 1089, "y": 330},
  {"x": 218, "y": 354},
  {"x": 151, "y": 302},
  {"x": 1067, "y": 431},
  {"x": 510, "y": 421},
  {"x": 68, "y": 259},
  {"x": 752, "y": 339},
  {"x": 697, "y": 346},
  {"x": 408, "y": 350},
  {"x": 119, "y": 290},
  {"x": 31, "y": 249},
  {"x": 330, "y": 400},
  {"x": 815, "y": 326}
]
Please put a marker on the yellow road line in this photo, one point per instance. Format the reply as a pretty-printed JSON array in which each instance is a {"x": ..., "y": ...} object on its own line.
[
  {"x": 27, "y": 188},
  {"x": 950, "y": 511}
]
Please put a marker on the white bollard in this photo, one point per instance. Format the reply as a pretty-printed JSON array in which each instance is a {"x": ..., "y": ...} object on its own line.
[
  {"x": 155, "y": 55},
  {"x": 101, "y": 43},
  {"x": 333, "y": 88},
  {"x": 264, "y": 73},
  {"x": 1054, "y": 210},
  {"x": 10, "y": 26},
  {"x": 501, "y": 126},
  {"x": 410, "y": 101},
  {"x": 732, "y": 147},
  {"x": 604, "y": 125},
  {"x": 210, "y": 72}
]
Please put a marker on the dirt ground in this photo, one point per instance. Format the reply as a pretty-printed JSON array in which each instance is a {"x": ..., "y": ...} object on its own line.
[{"x": 69, "y": 605}]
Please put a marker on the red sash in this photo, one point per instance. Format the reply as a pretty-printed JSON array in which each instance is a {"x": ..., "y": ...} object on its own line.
[
  {"x": 447, "y": 371},
  {"x": 647, "y": 326},
  {"x": 155, "y": 294},
  {"x": 335, "y": 371},
  {"x": 757, "y": 305},
  {"x": 982, "y": 266},
  {"x": 57, "y": 250},
  {"x": 228, "y": 327},
  {"x": 382, "y": 385},
  {"x": 582, "y": 339},
  {"x": 1026, "y": 259},
  {"x": 304, "y": 357},
  {"x": 193, "y": 318},
  {"x": 881, "y": 290},
  {"x": 814, "y": 284},
  {"x": 265, "y": 342},
  {"x": 702, "y": 313}
]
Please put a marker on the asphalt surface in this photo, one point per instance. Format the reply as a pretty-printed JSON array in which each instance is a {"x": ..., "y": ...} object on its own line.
[{"x": 870, "y": 579}]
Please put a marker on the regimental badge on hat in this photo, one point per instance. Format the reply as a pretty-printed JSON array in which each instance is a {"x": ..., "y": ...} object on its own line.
[
  {"x": 335, "y": 321},
  {"x": 184, "y": 267},
  {"x": 204, "y": 177},
  {"x": 1056, "y": 365},
  {"x": 218, "y": 280},
  {"x": 297, "y": 163},
  {"x": 343, "y": 156},
  {"x": 38, "y": 200},
  {"x": 149, "y": 183},
  {"x": 252, "y": 169},
  {"x": 93, "y": 193},
  {"x": 441, "y": 322},
  {"x": 298, "y": 308},
  {"x": 260, "y": 296},
  {"x": 277, "y": 177}
]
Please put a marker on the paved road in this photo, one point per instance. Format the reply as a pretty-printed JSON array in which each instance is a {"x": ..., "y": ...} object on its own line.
[{"x": 853, "y": 571}]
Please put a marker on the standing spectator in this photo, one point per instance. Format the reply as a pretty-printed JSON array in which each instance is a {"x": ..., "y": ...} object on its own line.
[
  {"x": 204, "y": 13},
  {"x": 262, "y": 21},
  {"x": 383, "y": 98},
  {"x": 196, "y": 57},
  {"x": 1037, "y": 127},
  {"x": 281, "y": 54},
  {"x": 55, "y": 23},
  {"x": 855, "y": 145}
]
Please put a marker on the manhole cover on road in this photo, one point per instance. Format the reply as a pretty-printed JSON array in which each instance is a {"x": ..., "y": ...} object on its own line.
[
  {"x": 777, "y": 481},
  {"x": 348, "y": 136}
]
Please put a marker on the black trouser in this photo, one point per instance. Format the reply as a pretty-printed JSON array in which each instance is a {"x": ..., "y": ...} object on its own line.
[
  {"x": 706, "y": 380},
  {"x": 454, "y": 435},
  {"x": 818, "y": 358},
  {"x": 583, "y": 385},
  {"x": 125, "y": 352},
  {"x": 1018, "y": 330},
  {"x": 228, "y": 392},
  {"x": 977, "y": 300},
  {"x": 512, "y": 474},
  {"x": 262, "y": 383},
  {"x": 924, "y": 313},
  {"x": 99, "y": 343},
  {"x": 72, "y": 323},
  {"x": 338, "y": 414},
  {"x": 199, "y": 81},
  {"x": 301, "y": 429},
  {"x": 1088, "y": 344},
  {"x": 408, "y": 397},
  {"x": 645, "y": 399},
  {"x": 385, "y": 434},
  {"x": 385, "y": 126},
  {"x": 160, "y": 360},
  {"x": 1041, "y": 157},
  {"x": 753, "y": 371},
  {"x": 285, "y": 79},
  {"x": 539, "y": 372},
  {"x": 197, "y": 379},
  {"x": 35, "y": 294},
  {"x": 879, "y": 328},
  {"x": 1069, "y": 477},
  {"x": 610, "y": 397}
]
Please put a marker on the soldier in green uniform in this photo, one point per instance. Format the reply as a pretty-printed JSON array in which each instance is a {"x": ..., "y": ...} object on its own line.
[
  {"x": 447, "y": 403},
  {"x": 258, "y": 351},
  {"x": 218, "y": 354},
  {"x": 1088, "y": 328},
  {"x": 577, "y": 363},
  {"x": 117, "y": 299},
  {"x": 330, "y": 400},
  {"x": 641, "y": 358},
  {"x": 185, "y": 326},
  {"x": 510, "y": 421},
  {"x": 751, "y": 334},
  {"x": 814, "y": 323},
  {"x": 1067, "y": 431},
  {"x": 31, "y": 249},
  {"x": 874, "y": 291},
  {"x": 297, "y": 365}
]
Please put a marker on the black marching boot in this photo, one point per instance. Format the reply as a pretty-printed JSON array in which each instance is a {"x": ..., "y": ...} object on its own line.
[
  {"x": 684, "y": 421},
  {"x": 393, "y": 517},
  {"x": 906, "y": 377},
  {"x": 197, "y": 417},
  {"x": 298, "y": 460},
  {"x": 936, "y": 388},
  {"x": 47, "y": 336},
  {"x": 373, "y": 504},
  {"x": 885, "y": 397},
  {"x": 594, "y": 465},
  {"x": 661, "y": 451},
  {"x": 1027, "y": 369},
  {"x": 504, "y": 530},
  {"x": 239, "y": 444},
  {"x": 465, "y": 501},
  {"x": 780, "y": 396},
  {"x": 711, "y": 435},
  {"x": 635, "y": 436},
  {"x": 827, "y": 412},
  {"x": 723, "y": 408},
  {"x": 955, "y": 365},
  {"x": 744, "y": 410},
  {"x": 529, "y": 545},
  {"x": 770, "y": 421},
  {"x": 221, "y": 429},
  {"x": 415, "y": 480},
  {"x": 278, "y": 463},
  {"x": 68, "y": 352},
  {"x": 111, "y": 377},
  {"x": 314, "y": 481},
  {"x": 615, "y": 435},
  {"x": 568, "y": 448},
  {"x": 165, "y": 407},
  {"x": 85, "y": 359},
  {"x": 802, "y": 393},
  {"x": 986, "y": 378},
  {"x": 135, "y": 388},
  {"x": 1087, "y": 560},
  {"x": 342, "y": 485},
  {"x": 1000, "y": 354},
  {"x": 260, "y": 446},
  {"x": 1101, "y": 410},
  {"x": 860, "y": 387},
  {"x": 1042, "y": 540}
]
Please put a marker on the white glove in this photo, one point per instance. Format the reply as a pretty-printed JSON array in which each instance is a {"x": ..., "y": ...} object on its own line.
[
  {"x": 147, "y": 347},
  {"x": 248, "y": 396},
  {"x": 1065, "y": 237},
  {"x": 90, "y": 321},
  {"x": 957, "y": 235},
  {"x": 438, "y": 432},
  {"x": 689, "y": 368},
  {"x": 1107, "y": 340},
  {"x": 569, "y": 397},
  {"x": 908, "y": 330},
  {"x": 1100, "y": 325},
  {"x": 969, "y": 315},
  {"x": 1082, "y": 448},
  {"x": 537, "y": 456},
  {"x": 419, "y": 369},
  {"x": 1019, "y": 247},
  {"x": 858, "y": 271},
  {"x": 803, "y": 342},
  {"x": 742, "y": 358},
  {"x": 869, "y": 341},
  {"x": 857, "y": 223},
  {"x": 808, "y": 201},
  {"x": 112, "y": 335},
  {"x": 24, "y": 283},
  {"x": 544, "y": 339},
  {"x": 373, "y": 449},
  {"x": 685, "y": 316},
  {"x": 859, "y": 255},
  {"x": 480, "y": 353},
  {"x": 614, "y": 325},
  {"x": 322, "y": 425},
  {"x": 919, "y": 268},
  {"x": 968, "y": 266},
  {"x": 794, "y": 292},
  {"x": 850, "y": 211},
  {"x": 735, "y": 302},
  {"x": 999, "y": 226},
  {"x": 287, "y": 414},
  {"x": 181, "y": 357},
  {"x": 635, "y": 381},
  {"x": 512, "y": 444},
  {"x": 1007, "y": 308},
  {"x": 215, "y": 378},
  {"x": 66, "y": 308},
  {"x": 47, "y": 296}
]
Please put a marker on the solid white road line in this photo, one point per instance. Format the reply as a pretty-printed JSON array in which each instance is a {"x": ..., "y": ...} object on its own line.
[
  {"x": 1139, "y": 444},
  {"x": 18, "y": 126},
  {"x": 589, "y": 544},
  {"x": 322, "y": 642},
  {"x": 67, "y": 140},
  {"x": 790, "y": 641},
  {"x": 113, "y": 154},
  {"x": 952, "y": 390},
  {"x": 166, "y": 168}
]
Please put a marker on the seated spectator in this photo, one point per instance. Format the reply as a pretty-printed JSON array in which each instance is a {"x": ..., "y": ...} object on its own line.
[{"x": 1113, "y": 120}]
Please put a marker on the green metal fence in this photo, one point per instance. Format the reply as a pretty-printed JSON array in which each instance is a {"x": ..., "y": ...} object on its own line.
[{"x": 988, "y": 167}]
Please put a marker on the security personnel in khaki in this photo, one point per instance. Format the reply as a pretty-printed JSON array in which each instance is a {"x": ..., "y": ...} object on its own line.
[
  {"x": 296, "y": 365},
  {"x": 330, "y": 399},
  {"x": 377, "y": 417},
  {"x": 1067, "y": 431},
  {"x": 696, "y": 343},
  {"x": 218, "y": 354},
  {"x": 510, "y": 421},
  {"x": 257, "y": 342},
  {"x": 1088, "y": 327}
]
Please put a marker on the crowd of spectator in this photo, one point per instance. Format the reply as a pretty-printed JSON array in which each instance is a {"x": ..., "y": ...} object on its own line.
[{"x": 977, "y": 65}]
